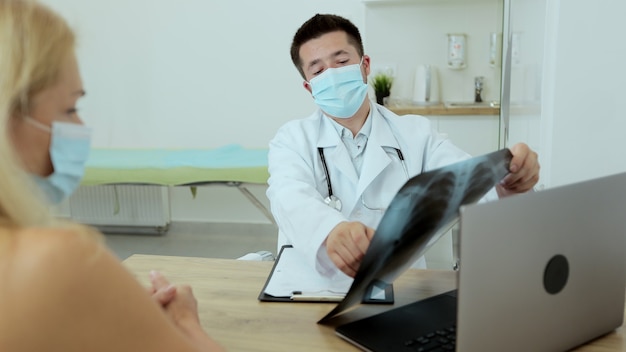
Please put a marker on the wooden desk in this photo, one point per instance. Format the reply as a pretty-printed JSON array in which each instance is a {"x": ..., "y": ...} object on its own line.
[{"x": 227, "y": 293}]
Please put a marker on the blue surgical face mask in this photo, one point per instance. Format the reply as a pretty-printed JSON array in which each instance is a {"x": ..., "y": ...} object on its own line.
[
  {"x": 339, "y": 92},
  {"x": 69, "y": 149}
]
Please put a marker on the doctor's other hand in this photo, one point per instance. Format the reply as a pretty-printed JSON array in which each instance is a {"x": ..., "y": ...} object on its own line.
[
  {"x": 346, "y": 245},
  {"x": 523, "y": 171}
]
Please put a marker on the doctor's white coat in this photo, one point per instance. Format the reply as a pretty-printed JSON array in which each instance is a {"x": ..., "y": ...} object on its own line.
[{"x": 297, "y": 183}]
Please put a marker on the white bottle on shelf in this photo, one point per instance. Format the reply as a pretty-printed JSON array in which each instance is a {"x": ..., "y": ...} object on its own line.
[{"x": 426, "y": 85}]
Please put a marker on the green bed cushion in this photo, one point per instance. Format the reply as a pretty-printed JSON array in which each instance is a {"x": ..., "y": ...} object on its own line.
[{"x": 230, "y": 163}]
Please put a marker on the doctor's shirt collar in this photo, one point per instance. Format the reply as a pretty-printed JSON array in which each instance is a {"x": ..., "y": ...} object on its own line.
[{"x": 345, "y": 133}]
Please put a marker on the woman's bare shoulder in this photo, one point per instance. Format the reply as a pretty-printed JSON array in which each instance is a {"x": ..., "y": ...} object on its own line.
[
  {"x": 38, "y": 254},
  {"x": 66, "y": 290},
  {"x": 40, "y": 263},
  {"x": 51, "y": 239},
  {"x": 35, "y": 252},
  {"x": 40, "y": 269}
]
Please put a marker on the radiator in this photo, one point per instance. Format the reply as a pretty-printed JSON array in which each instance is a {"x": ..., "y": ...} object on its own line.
[{"x": 122, "y": 208}]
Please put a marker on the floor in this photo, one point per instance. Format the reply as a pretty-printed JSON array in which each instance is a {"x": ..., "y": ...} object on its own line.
[
  {"x": 196, "y": 239},
  {"x": 227, "y": 240}
]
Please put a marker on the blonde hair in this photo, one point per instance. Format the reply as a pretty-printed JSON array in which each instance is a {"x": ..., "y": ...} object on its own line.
[{"x": 34, "y": 44}]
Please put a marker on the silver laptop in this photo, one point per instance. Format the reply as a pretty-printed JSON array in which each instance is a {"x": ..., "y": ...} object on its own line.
[{"x": 542, "y": 271}]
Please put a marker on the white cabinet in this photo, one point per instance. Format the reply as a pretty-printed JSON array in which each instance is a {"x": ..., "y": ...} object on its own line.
[{"x": 475, "y": 134}]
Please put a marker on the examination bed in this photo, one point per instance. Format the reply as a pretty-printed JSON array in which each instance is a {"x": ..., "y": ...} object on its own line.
[
  {"x": 176, "y": 167},
  {"x": 230, "y": 165}
]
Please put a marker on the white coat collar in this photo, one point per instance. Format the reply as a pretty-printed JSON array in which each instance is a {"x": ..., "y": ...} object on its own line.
[{"x": 376, "y": 158}]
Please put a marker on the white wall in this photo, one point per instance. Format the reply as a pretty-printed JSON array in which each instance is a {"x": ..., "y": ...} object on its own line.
[
  {"x": 202, "y": 74},
  {"x": 585, "y": 90},
  {"x": 191, "y": 73}
]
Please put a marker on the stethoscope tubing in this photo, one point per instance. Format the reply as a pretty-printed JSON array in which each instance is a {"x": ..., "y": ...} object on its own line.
[{"x": 320, "y": 151}]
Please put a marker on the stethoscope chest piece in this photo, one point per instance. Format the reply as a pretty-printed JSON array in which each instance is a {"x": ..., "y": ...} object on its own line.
[{"x": 333, "y": 202}]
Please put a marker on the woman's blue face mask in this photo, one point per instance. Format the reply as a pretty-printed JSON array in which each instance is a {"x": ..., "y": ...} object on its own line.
[
  {"x": 339, "y": 92},
  {"x": 69, "y": 149}
]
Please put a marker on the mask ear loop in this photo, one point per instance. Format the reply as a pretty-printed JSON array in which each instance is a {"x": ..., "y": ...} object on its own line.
[
  {"x": 38, "y": 124},
  {"x": 332, "y": 200}
]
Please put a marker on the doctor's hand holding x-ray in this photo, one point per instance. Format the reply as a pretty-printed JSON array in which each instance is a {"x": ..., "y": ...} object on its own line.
[{"x": 333, "y": 173}]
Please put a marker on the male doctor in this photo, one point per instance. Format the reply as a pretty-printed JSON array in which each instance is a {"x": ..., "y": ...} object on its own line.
[{"x": 333, "y": 174}]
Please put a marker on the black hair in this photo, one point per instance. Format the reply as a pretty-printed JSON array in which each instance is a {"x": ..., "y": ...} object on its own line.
[{"x": 319, "y": 25}]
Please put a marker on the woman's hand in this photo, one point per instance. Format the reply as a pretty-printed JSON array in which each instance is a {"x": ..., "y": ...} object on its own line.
[
  {"x": 178, "y": 302},
  {"x": 180, "y": 305},
  {"x": 165, "y": 293}
]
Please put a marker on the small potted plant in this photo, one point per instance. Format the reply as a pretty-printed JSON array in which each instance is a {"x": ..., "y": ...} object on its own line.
[{"x": 381, "y": 82}]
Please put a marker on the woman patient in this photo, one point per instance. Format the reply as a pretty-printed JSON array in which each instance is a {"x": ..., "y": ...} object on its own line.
[{"x": 60, "y": 288}]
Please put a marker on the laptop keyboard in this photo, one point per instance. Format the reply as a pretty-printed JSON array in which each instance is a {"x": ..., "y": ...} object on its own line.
[{"x": 435, "y": 341}]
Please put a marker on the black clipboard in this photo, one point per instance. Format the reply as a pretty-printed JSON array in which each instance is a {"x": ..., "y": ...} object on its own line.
[{"x": 367, "y": 297}]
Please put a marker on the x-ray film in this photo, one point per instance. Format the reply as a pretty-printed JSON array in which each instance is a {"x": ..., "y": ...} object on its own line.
[{"x": 421, "y": 212}]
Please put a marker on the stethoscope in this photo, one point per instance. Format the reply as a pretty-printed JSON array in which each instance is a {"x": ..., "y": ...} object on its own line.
[{"x": 332, "y": 200}]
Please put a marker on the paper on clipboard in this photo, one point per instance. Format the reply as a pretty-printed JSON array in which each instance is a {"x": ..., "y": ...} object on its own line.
[
  {"x": 291, "y": 275},
  {"x": 292, "y": 280}
]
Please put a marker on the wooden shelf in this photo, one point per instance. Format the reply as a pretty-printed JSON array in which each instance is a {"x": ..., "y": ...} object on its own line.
[
  {"x": 410, "y": 2},
  {"x": 441, "y": 109}
]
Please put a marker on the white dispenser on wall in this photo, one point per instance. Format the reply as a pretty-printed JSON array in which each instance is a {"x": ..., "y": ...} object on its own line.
[
  {"x": 426, "y": 86},
  {"x": 456, "y": 51}
]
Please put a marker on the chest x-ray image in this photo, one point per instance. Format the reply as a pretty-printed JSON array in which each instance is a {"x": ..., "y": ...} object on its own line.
[{"x": 420, "y": 213}]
